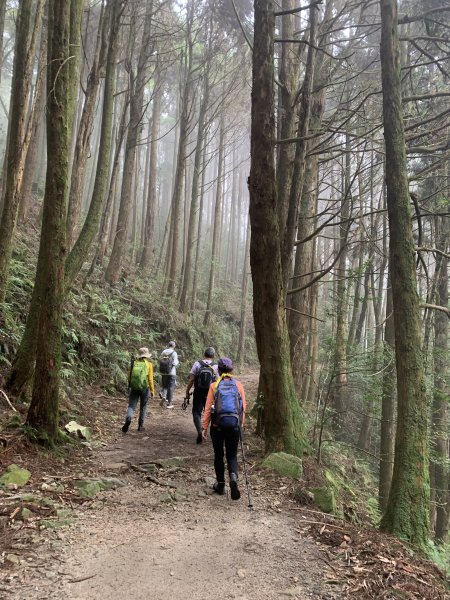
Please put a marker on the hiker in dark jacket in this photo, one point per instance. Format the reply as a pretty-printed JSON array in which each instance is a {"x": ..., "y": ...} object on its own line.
[
  {"x": 140, "y": 384},
  {"x": 225, "y": 412},
  {"x": 202, "y": 374}
]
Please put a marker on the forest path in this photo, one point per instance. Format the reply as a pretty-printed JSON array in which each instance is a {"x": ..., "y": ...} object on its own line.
[{"x": 134, "y": 542}]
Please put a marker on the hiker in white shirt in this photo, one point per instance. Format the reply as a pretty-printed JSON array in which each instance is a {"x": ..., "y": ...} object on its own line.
[{"x": 168, "y": 363}]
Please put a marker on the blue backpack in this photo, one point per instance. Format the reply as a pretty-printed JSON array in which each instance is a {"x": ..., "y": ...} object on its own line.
[{"x": 227, "y": 404}]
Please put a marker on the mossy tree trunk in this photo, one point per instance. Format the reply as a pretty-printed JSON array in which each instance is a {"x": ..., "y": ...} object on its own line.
[
  {"x": 90, "y": 227},
  {"x": 289, "y": 76},
  {"x": 43, "y": 410},
  {"x": 36, "y": 124},
  {"x": 21, "y": 371},
  {"x": 16, "y": 148},
  {"x": 441, "y": 398},
  {"x": 282, "y": 417},
  {"x": 406, "y": 513},
  {"x": 387, "y": 430}
]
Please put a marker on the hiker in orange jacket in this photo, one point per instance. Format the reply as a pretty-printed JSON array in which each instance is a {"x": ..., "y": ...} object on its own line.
[{"x": 225, "y": 412}]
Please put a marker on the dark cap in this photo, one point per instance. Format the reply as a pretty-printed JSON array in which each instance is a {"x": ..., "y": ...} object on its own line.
[
  {"x": 225, "y": 365},
  {"x": 209, "y": 352}
]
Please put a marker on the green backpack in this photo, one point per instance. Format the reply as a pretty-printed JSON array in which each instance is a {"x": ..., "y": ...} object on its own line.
[{"x": 139, "y": 378}]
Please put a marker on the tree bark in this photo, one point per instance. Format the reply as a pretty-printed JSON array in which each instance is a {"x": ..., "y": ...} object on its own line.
[
  {"x": 36, "y": 124},
  {"x": 80, "y": 250},
  {"x": 43, "y": 411},
  {"x": 407, "y": 510},
  {"x": 149, "y": 230},
  {"x": 282, "y": 422},
  {"x": 441, "y": 395},
  {"x": 243, "y": 324},
  {"x": 177, "y": 193},
  {"x": 217, "y": 233},
  {"x": 194, "y": 214},
  {"x": 137, "y": 83},
  {"x": 84, "y": 132},
  {"x": 16, "y": 146}
]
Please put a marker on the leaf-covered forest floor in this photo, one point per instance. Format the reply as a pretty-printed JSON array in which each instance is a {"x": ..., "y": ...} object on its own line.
[{"x": 163, "y": 534}]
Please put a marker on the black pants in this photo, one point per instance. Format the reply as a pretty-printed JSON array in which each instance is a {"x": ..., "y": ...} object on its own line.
[
  {"x": 198, "y": 406},
  {"x": 230, "y": 438}
]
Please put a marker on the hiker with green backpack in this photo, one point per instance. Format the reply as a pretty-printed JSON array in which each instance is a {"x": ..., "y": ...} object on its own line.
[{"x": 141, "y": 386}]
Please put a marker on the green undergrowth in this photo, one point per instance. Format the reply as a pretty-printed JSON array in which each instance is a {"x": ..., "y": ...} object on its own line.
[
  {"x": 440, "y": 555},
  {"x": 104, "y": 326},
  {"x": 354, "y": 483}
]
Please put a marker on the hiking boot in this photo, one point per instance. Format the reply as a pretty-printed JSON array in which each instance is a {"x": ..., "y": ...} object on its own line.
[
  {"x": 170, "y": 405},
  {"x": 163, "y": 400},
  {"x": 199, "y": 438},
  {"x": 141, "y": 427},
  {"x": 126, "y": 425},
  {"x": 219, "y": 487},
  {"x": 234, "y": 490}
]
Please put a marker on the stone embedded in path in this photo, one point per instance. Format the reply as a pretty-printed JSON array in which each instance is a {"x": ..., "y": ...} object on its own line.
[
  {"x": 167, "y": 463},
  {"x": 15, "y": 476},
  {"x": 79, "y": 430},
  {"x": 284, "y": 464},
  {"x": 89, "y": 488}
]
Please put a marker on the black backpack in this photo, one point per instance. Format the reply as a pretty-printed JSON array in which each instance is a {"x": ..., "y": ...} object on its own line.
[
  {"x": 205, "y": 376},
  {"x": 166, "y": 363}
]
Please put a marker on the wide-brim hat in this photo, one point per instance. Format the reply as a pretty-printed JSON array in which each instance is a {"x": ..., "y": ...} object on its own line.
[{"x": 144, "y": 353}]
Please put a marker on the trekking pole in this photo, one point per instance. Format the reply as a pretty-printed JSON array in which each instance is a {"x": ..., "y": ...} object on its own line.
[
  {"x": 186, "y": 401},
  {"x": 247, "y": 482}
]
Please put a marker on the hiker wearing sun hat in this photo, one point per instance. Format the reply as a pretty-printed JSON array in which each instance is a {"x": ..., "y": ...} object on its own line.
[
  {"x": 225, "y": 412},
  {"x": 140, "y": 384}
]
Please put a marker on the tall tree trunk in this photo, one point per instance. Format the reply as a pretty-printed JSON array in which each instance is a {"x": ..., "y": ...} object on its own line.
[
  {"x": 194, "y": 212},
  {"x": 177, "y": 194},
  {"x": 283, "y": 422},
  {"x": 387, "y": 431},
  {"x": 80, "y": 250},
  {"x": 407, "y": 509},
  {"x": 108, "y": 216},
  {"x": 300, "y": 303},
  {"x": 16, "y": 146},
  {"x": 84, "y": 132},
  {"x": 2, "y": 30},
  {"x": 149, "y": 230},
  {"x": 290, "y": 212},
  {"x": 43, "y": 412},
  {"x": 137, "y": 82},
  {"x": 289, "y": 75},
  {"x": 217, "y": 233},
  {"x": 199, "y": 230},
  {"x": 441, "y": 397},
  {"x": 36, "y": 124},
  {"x": 243, "y": 325},
  {"x": 340, "y": 390},
  {"x": 22, "y": 369}
]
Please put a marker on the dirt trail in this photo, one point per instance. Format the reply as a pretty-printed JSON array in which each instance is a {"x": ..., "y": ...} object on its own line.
[{"x": 136, "y": 542}]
